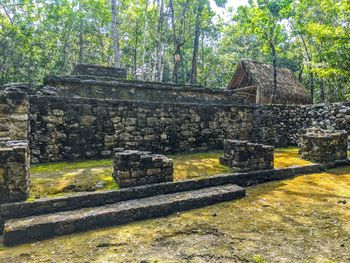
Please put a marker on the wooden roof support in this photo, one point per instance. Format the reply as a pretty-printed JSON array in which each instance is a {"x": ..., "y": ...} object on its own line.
[
  {"x": 246, "y": 94},
  {"x": 245, "y": 88}
]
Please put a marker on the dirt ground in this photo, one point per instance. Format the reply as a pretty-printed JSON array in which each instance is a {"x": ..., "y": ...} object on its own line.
[{"x": 305, "y": 219}]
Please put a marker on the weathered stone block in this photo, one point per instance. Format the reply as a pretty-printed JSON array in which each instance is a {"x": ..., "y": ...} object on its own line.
[
  {"x": 245, "y": 156},
  {"x": 132, "y": 168},
  {"x": 323, "y": 146},
  {"x": 14, "y": 171},
  {"x": 99, "y": 71}
]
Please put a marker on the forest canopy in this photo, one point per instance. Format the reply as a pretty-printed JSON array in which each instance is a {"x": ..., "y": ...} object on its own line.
[{"x": 182, "y": 41}]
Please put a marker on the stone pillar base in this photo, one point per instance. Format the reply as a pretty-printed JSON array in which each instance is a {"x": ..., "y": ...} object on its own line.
[
  {"x": 134, "y": 168},
  {"x": 14, "y": 171},
  {"x": 244, "y": 156}
]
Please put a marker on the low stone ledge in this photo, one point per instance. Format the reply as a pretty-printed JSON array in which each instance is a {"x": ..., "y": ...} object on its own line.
[
  {"x": 99, "y": 71},
  {"x": 19, "y": 231},
  {"x": 88, "y": 199}
]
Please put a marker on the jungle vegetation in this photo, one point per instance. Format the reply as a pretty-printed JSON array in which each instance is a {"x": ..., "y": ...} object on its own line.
[{"x": 181, "y": 41}]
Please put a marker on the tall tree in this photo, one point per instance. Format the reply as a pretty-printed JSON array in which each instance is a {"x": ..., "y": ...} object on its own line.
[
  {"x": 197, "y": 32},
  {"x": 157, "y": 48},
  {"x": 115, "y": 34},
  {"x": 81, "y": 34},
  {"x": 178, "y": 36},
  {"x": 264, "y": 21}
]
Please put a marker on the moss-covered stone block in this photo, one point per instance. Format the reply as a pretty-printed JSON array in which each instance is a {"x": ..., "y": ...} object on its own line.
[{"x": 14, "y": 171}]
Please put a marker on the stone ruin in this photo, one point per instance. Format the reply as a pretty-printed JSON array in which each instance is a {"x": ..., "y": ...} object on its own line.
[
  {"x": 99, "y": 71},
  {"x": 135, "y": 168},
  {"x": 89, "y": 113},
  {"x": 323, "y": 146},
  {"x": 14, "y": 170},
  {"x": 244, "y": 156}
]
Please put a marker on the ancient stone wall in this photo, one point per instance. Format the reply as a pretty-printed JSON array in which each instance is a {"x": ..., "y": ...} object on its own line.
[
  {"x": 80, "y": 128},
  {"x": 14, "y": 109},
  {"x": 131, "y": 90},
  {"x": 290, "y": 119},
  {"x": 264, "y": 126},
  {"x": 157, "y": 117},
  {"x": 100, "y": 71}
]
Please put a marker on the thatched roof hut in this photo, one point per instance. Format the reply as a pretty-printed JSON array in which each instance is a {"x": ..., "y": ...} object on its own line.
[{"x": 254, "y": 81}]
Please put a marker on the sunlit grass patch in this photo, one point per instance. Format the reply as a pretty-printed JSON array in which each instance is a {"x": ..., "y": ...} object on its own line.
[
  {"x": 286, "y": 157},
  {"x": 53, "y": 167},
  {"x": 55, "y": 179},
  {"x": 51, "y": 180},
  {"x": 192, "y": 165}
]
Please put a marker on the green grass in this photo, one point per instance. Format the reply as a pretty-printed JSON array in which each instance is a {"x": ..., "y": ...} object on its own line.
[
  {"x": 64, "y": 178},
  {"x": 53, "y": 167}
]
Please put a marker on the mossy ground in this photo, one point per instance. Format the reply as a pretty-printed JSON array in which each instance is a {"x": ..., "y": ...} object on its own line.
[
  {"x": 305, "y": 219},
  {"x": 50, "y": 180}
]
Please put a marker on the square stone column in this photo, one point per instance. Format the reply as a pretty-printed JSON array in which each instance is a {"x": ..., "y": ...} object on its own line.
[
  {"x": 244, "y": 156},
  {"x": 134, "y": 168},
  {"x": 323, "y": 146},
  {"x": 14, "y": 171}
]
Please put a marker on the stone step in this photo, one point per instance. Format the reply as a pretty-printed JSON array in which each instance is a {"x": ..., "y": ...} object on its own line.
[{"x": 39, "y": 227}]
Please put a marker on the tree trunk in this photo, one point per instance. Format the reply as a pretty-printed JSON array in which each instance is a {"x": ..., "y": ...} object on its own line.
[
  {"x": 311, "y": 76},
  {"x": 311, "y": 85},
  {"x": 144, "y": 38},
  {"x": 322, "y": 97},
  {"x": 115, "y": 34},
  {"x": 177, "y": 38},
  {"x": 274, "y": 62},
  {"x": 7, "y": 13},
  {"x": 175, "y": 77},
  {"x": 196, "y": 43},
  {"x": 157, "y": 43},
  {"x": 300, "y": 73},
  {"x": 135, "y": 48},
  {"x": 81, "y": 37}
]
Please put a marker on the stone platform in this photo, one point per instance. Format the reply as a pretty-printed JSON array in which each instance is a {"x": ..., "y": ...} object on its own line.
[
  {"x": 99, "y": 71},
  {"x": 323, "y": 146},
  {"x": 91, "y": 204},
  {"x": 18, "y": 231},
  {"x": 244, "y": 156}
]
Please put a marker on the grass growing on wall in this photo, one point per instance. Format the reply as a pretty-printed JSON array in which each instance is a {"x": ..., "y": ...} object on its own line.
[{"x": 49, "y": 180}]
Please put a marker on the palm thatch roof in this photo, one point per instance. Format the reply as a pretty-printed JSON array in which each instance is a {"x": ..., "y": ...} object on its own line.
[{"x": 254, "y": 80}]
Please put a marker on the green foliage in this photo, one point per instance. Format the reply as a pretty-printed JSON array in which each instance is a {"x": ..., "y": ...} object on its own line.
[{"x": 311, "y": 37}]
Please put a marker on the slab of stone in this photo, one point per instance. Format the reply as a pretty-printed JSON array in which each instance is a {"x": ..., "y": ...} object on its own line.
[
  {"x": 34, "y": 228},
  {"x": 99, "y": 71}
]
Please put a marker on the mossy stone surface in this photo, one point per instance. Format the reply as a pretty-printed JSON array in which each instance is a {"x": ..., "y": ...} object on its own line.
[
  {"x": 57, "y": 179},
  {"x": 305, "y": 219}
]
